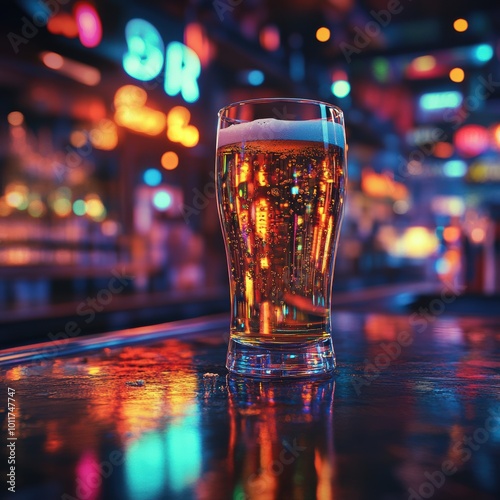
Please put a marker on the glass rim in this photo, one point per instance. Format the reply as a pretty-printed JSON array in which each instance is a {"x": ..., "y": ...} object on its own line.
[{"x": 263, "y": 100}]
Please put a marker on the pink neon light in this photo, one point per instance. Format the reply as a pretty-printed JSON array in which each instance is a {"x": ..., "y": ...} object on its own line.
[
  {"x": 89, "y": 475},
  {"x": 89, "y": 25}
]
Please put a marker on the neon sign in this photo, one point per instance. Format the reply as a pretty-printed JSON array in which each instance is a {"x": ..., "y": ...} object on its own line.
[
  {"x": 182, "y": 71},
  {"x": 144, "y": 60},
  {"x": 89, "y": 25},
  {"x": 179, "y": 129},
  {"x": 132, "y": 113}
]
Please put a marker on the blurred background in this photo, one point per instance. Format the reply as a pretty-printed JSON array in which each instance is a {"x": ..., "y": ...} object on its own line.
[{"x": 108, "y": 115}]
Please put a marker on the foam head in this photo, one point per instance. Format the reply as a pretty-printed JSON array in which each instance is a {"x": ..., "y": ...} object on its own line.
[{"x": 270, "y": 129}]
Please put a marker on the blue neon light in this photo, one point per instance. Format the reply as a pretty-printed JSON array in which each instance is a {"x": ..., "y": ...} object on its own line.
[
  {"x": 483, "y": 52},
  {"x": 255, "y": 77},
  {"x": 144, "y": 465},
  {"x": 162, "y": 200},
  {"x": 182, "y": 71},
  {"x": 144, "y": 58},
  {"x": 341, "y": 88},
  {"x": 455, "y": 168},
  {"x": 442, "y": 266},
  {"x": 440, "y": 100},
  {"x": 152, "y": 177}
]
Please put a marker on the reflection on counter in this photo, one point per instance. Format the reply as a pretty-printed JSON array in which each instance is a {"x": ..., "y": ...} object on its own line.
[
  {"x": 164, "y": 420},
  {"x": 281, "y": 438}
]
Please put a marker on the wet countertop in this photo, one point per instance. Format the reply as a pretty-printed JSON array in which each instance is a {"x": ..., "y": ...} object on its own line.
[{"x": 412, "y": 412}]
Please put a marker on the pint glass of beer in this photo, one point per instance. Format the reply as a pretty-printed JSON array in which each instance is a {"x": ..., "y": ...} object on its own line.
[{"x": 281, "y": 174}]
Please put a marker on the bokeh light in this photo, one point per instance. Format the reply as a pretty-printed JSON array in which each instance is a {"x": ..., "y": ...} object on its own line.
[
  {"x": 381, "y": 69},
  {"x": 104, "y": 135},
  {"x": 190, "y": 137},
  {"x": 5, "y": 209},
  {"x": 95, "y": 209},
  {"x": 169, "y": 160},
  {"x": 460, "y": 25},
  {"x": 323, "y": 34},
  {"x": 79, "y": 207},
  {"x": 195, "y": 37},
  {"x": 471, "y": 140},
  {"x": 442, "y": 266},
  {"x": 63, "y": 24},
  {"x": 496, "y": 135},
  {"x": 152, "y": 177},
  {"x": 478, "y": 235},
  {"x": 255, "y": 77},
  {"x": 78, "y": 138},
  {"x": 110, "y": 228},
  {"x": 457, "y": 75},
  {"x": 424, "y": 63},
  {"x": 451, "y": 234},
  {"x": 179, "y": 129},
  {"x": 442, "y": 149},
  {"x": 15, "y": 118},
  {"x": 89, "y": 24},
  {"x": 178, "y": 117},
  {"x": 400, "y": 207},
  {"x": 16, "y": 196},
  {"x": 455, "y": 168},
  {"x": 131, "y": 111},
  {"x": 162, "y": 200},
  {"x": 417, "y": 242},
  {"x": 483, "y": 52},
  {"x": 431, "y": 101},
  {"x": 269, "y": 38},
  {"x": 341, "y": 88},
  {"x": 52, "y": 60},
  {"x": 36, "y": 208},
  {"x": 62, "y": 207}
]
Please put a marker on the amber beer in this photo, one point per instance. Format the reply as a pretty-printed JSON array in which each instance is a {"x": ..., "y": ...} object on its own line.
[{"x": 281, "y": 197}]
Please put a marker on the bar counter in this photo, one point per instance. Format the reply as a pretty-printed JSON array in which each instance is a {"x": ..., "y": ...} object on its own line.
[{"x": 412, "y": 412}]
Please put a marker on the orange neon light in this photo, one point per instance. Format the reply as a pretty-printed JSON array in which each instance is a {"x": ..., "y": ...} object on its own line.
[{"x": 132, "y": 113}]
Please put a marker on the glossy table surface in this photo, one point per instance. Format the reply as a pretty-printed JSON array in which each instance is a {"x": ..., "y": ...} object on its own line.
[{"x": 412, "y": 412}]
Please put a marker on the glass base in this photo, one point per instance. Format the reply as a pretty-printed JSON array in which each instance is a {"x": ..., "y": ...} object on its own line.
[{"x": 281, "y": 360}]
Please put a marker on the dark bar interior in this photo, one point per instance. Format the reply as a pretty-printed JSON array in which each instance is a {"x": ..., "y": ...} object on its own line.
[{"x": 114, "y": 293}]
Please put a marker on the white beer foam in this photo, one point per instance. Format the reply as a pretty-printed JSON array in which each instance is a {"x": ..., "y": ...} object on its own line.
[{"x": 271, "y": 129}]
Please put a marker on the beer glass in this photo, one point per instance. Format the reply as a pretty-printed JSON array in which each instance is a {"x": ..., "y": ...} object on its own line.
[{"x": 280, "y": 175}]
